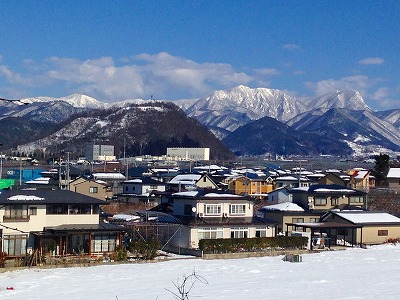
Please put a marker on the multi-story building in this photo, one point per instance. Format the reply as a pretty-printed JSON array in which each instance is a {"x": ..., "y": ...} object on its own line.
[
  {"x": 212, "y": 216},
  {"x": 59, "y": 222},
  {"x": 99, "y": 152},
  {"x": 195, "y": 154}
]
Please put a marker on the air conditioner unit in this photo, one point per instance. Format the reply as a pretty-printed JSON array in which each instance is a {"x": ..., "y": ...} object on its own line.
[
  {"x": 200, "y": 215},
  {"x": 225, "y": 215}
]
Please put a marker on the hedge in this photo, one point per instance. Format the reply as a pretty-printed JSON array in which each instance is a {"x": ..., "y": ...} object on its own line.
[{"x": 252, "y": 244}]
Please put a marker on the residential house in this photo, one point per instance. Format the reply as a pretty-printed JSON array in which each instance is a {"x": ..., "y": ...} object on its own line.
[
  {"x": 212, "y": 216},
  {"x": 325, "y": 197},
  {"x": 292, "y": 181},
  {"x": 334, "y": 178},
  {"x": 279, "y": 195},
  {"x": 287, "y": 212},
  {"x": 349, "y": 228},
  {"x": 372, "y": 227},
  {"x": 360, "y": 179},
  {"x": 113, "y": 179},
  {"x": 91, "y": 187},
  {"x": 142, "y": 190},
  {"x": 193, "y": 181},
  {"x": 59, "y": 222},
  {"x": 252, "y": 186},
  {"x": 393, "y": 179}
]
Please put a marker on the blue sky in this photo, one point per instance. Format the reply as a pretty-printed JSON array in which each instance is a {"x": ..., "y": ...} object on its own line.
[{"x": 116, "y": 50}]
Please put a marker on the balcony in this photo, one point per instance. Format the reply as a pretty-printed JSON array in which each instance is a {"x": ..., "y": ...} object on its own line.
[{"x": 9, "y": 219}]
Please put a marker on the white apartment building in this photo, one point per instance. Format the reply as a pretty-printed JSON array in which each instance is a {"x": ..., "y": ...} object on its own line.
[{"x": 189, "y": 153}]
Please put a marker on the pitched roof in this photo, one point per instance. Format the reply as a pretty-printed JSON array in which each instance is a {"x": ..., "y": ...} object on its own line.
[
  {"x": 286, "y": 206},
  {"x": 368, "y": 217},
  {"x": 39, "y": 196}
]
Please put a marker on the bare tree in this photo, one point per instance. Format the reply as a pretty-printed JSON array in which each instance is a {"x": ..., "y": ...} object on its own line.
[{"x": 185, "y": 286}]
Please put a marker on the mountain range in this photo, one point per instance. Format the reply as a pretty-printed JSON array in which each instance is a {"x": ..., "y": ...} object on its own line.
[{"x": 248, "y": 121}]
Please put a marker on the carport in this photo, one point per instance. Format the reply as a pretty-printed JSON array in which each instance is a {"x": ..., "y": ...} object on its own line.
[{"x": 333, "y": 230}]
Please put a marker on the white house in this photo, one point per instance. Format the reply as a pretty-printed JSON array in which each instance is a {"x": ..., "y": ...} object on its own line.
[
  {"x": 141, "y": 186},
  {"x": 212, "y": 216}
]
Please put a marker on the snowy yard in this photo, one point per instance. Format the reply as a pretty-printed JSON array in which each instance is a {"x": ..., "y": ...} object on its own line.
[{"x": 372, "y": 273}]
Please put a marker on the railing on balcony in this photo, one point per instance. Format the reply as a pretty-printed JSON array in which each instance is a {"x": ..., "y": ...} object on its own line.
[{"x": 21, "y": 218}]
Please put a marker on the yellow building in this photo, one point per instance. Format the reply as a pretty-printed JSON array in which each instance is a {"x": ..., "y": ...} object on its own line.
[{"x": 243, "y": 185}]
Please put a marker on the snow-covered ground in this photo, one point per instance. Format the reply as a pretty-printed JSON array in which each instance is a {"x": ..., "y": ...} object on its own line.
[{"x": 372, "y": 273}]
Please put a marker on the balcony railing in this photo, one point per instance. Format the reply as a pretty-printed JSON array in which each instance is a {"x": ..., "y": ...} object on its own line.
[{"x": 24, "y": 218}]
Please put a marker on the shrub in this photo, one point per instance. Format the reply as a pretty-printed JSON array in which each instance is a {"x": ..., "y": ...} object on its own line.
[
  {"x": 144, "y": 249},
  {"x": 119, "y": 254},
  {"x": 252, "y": 244}
]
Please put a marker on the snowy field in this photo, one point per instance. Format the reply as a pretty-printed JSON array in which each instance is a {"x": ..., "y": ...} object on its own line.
[{"x": 372, "y": 273}]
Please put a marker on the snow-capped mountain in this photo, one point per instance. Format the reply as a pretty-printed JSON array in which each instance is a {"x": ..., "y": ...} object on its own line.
[
  {"x": 230, "y": 109},
  {"x": 341, "y": 116},
  {"x": 75, "y": 100},
  {"x": 226, "y": 110},
  {"x": 145, "y": 128},
  {"x": 339, "y": 99},
  {"x": 392, "y": 116}
]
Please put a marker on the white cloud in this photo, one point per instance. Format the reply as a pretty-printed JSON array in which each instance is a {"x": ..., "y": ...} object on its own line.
[
  {"x": 381, "y": 93},
  {"x": 267, "y": 71},
  {"x": 291, "y": 46},
  {"x": 359, "y": 82},
  {"x": 371, "y": 61},
  {"x": 140, "y": 76}
]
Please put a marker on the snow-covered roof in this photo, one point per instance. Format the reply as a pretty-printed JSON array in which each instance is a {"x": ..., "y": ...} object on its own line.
[
  {"x": 24, "y": 198},
  {"x": 368, "y": 217},
  {"x": 328, "y": 190},
  {"x": 215, "y": 195},
  {"x": 40, "y": 180},
  {"x": 188, "y": 193},
  {"x": 134, "y": 181},
  {"x": 394, "y": 173},
  {"x": 185, "y": 179},
  {"x": 286, "y": 206},
  {"x": 117, "y": 176},
  {"x": 210, "y": 167},
  {"x": 125, "y": 217}
]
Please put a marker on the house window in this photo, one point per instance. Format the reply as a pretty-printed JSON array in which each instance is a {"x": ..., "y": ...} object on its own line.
[
  {"x": 213, "y": 209},
  {"x": 104, "y": 242},
  {"x": 32, "y": 211},
  {"x": 356, "y": 199},
  {"x": 79, "y": 209},
  {"x": 237, "y": 209},
  {"x": 153, "y": 187},
  {"x": 239, "y": 232},
  {"x": 314, "y": 220},
  {"x": 16, "y": 212},
  {"x": 126, "y": 189},
  {"x": 383, "y": 232},
  {"x": 15, "y": 245},
  {"x": 320, "y": 201},
  {"x": 56, "y": 209},
  {"x": 209, "y": 233},
  {"x": 261, "y": 232},
  {"x": 334, "y": 201},
  {"x": 297, "y": 220},
  {"x": 93, "y": 189}
]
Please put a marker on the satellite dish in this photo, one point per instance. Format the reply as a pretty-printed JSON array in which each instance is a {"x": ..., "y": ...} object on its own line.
[{"x": 194, "y": 209}]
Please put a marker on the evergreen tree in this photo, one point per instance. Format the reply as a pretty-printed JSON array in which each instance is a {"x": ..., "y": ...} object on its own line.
[{"x": 381, "y": 169}]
